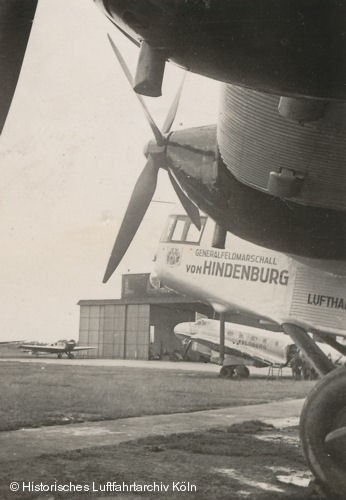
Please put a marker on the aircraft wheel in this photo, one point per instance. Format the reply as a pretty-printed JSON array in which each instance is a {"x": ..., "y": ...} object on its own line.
[
  {"x": 242, "y": 371},
  {"x": 70, "y": 356},
  {"x": 226, "y": 372},
  {"x": 323, "y": 432},
  {"x": 59, "y": 355}
]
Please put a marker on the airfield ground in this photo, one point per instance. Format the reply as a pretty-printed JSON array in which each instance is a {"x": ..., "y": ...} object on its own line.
[{"x": 237, "y": 455}]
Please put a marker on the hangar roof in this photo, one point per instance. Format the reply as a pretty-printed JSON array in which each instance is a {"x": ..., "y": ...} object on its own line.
[
  {"x": 137, "y": 289},
  {"x": 179, "y": 299}
]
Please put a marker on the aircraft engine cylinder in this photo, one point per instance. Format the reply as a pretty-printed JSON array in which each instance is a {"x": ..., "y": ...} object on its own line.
[{"x": 302, "y": 162}]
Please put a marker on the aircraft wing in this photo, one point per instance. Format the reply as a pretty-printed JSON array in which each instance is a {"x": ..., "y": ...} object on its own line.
[
  {"x": 265, "y": 358},
  {"x": 8, "y": 342},
  {"x": 247, "y": 354},
  {"x": 42, "y": 348},
  {"x": 83, "y": 348},
  {"x": 231, "y": 351},
  {"x": 16, "y": 18}
]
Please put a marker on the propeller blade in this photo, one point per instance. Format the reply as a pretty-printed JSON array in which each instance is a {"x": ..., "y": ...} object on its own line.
[
  {"x": 137, "y": 207},
  {"x": 173, "y": 109},
  {"x": 16, "y": 19},
  {"x": 155, "y": 129},
  {"x": 190, "y": 208}
]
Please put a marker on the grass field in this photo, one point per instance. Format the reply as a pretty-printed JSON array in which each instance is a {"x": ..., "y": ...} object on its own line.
[
  {"x": 35, "y": 394},
  {"x": 242, "y": 461}
]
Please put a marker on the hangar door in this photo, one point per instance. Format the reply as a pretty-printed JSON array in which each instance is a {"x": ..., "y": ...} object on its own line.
[
  {"x": 137, "y": 331},
  {"x": 117, "y": 331}
]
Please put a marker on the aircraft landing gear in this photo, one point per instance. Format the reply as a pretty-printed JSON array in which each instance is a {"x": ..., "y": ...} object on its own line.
[
  {"x": 59, "y": 355},
  {"x": 229, "y": 371},
  {"x": 242, "y": 371},
  {"x": 323, "y": 433},
  {"x": 226, "y": 372},
  {"x": 323, "y": 419},
  {"x": 313, "y": 353},
  {"x": 70, "y": 355}
]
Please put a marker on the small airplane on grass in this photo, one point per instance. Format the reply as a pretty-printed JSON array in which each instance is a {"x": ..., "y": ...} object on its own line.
[{"x": 68, "y": 347}]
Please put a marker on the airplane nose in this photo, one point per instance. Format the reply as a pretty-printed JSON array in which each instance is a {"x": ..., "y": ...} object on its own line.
[
  {"x": 183, "y": 329},
  {"x": 155, "y": 280},
  {"x": 177, "y": 330}
]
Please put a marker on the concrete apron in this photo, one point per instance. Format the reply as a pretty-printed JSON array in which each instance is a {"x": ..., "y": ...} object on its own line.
[{"x": 28, "y": 443}]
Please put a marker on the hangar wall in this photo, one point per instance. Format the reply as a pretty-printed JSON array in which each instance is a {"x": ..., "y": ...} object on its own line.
[
  {"x": 137, "y": 326},
  {"x": 163, "y": 319},
  {"x": 116, "y": 330}
]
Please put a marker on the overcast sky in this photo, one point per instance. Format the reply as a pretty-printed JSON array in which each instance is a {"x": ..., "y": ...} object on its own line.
[{"x": 70, "y": 152}]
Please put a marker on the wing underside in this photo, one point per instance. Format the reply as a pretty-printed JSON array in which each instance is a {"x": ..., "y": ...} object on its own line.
[
  {"x": 250, "y": 354},
  {"x": 42, "y": 348},
  {"x": 83, "y": 348},
  {"x": 228, "y": 350},
  {"x": 16, "y": 17}
]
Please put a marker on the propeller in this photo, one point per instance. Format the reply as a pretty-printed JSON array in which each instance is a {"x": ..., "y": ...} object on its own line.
[
  {"x": 146, "y": 184},
  {"x": 139, "y": 202},
  {"x": 173, "y": 109},
  {"x": 156, "y": 131}
]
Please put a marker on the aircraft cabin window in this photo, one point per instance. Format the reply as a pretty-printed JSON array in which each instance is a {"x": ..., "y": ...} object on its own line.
[
  {"x": 180, "y": 229},
  {"x": 193, "y": 234},
  {"x": 168, "y": 229}
]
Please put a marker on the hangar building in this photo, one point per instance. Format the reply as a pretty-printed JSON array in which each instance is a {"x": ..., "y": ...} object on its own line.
[{"x": 139, "y": 325}]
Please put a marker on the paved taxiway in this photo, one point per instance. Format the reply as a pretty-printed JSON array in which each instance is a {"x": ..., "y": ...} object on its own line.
[
  {"x": 28, "y": 443},
  {"x": 54, "y": 439},
  {"x": 132, "y": 363}
]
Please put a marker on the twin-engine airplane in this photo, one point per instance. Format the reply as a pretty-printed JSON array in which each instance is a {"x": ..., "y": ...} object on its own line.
[
  {"x": 271, "y": 171},
  {"x": 243, "y": 345},
  {"x": 68, "y": 347}
]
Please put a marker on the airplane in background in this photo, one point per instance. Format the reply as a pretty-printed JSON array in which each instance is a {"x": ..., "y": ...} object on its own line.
[
  {"x": 68, "y": 347},
  {"x": 271, "y": 172},
  {"x": 244, "y": 346}
]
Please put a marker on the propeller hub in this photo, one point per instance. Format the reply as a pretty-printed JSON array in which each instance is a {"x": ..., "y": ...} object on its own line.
[
  {"x": 146, "y": 149},
  {"x": 153, "y": 149}
]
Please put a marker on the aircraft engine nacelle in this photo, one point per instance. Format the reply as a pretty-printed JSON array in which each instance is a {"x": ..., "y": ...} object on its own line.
[{"x": 292, "y": 152}]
